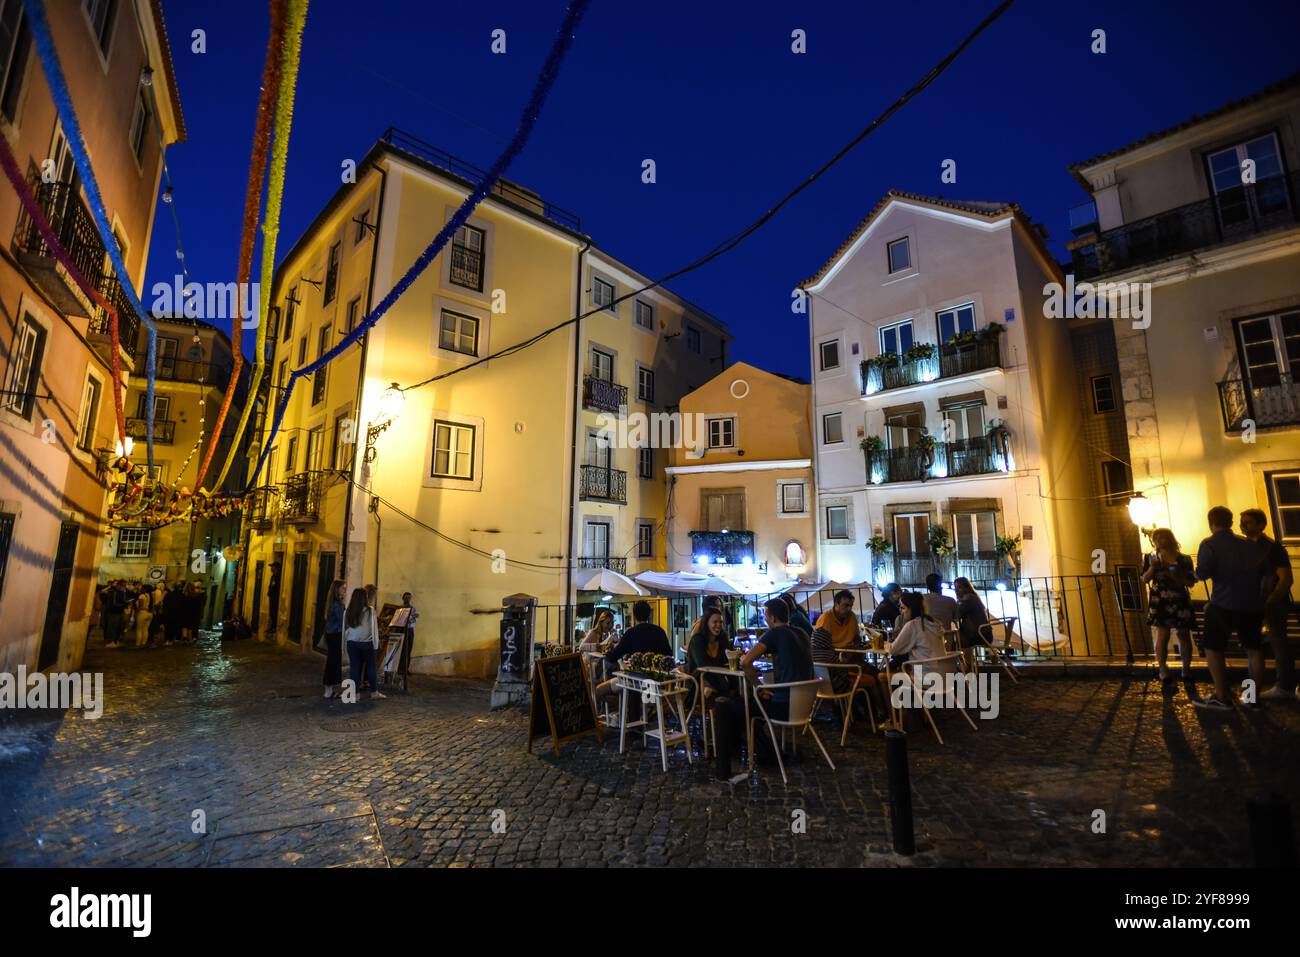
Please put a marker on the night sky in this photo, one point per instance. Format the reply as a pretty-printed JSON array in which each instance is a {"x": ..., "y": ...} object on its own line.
[{"x": 733, "y": 119}]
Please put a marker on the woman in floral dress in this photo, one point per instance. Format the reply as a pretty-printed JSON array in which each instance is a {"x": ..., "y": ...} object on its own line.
[{"x": 1169, "y": 573}]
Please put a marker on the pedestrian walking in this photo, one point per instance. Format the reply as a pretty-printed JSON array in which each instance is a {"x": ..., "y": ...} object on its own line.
[
  {"x": 117, "y": 605},
  {"x": 143, "y": 618},
  {"x": 361, "y": 633},
  {"x": 1276, "y": 592},
  {"x": 194, "y": 601},
  {"x": 1235, "y": 566},
  {"x": 1169, "y": 574},
  {"x": 334, "y": 615},
  {"x": 173, "y": 612}
]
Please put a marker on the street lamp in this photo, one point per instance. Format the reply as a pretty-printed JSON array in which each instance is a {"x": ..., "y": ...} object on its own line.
[
  {"x": 391, "y": 403},
  {"x": 1142, "y": 512}
]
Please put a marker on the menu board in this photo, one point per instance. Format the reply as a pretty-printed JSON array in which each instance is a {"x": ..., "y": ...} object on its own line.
[{"x": 560, "y": 704}]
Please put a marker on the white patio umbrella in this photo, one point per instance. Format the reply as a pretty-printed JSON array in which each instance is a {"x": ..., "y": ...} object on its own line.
[
  {"x": 687, "y": 583},
  {"x": 607, "y": 582}
]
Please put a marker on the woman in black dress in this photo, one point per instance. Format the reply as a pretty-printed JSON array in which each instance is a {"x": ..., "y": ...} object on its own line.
[{"x": 1169, "y": 573}]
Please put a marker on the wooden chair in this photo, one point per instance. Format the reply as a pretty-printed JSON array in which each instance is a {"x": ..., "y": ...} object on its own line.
[{"x": 803, "y": 701}]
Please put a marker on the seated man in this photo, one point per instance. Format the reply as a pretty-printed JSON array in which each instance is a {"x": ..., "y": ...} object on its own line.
[
  {"x": 644, "y": 636},
  {"x": 887, "y": 612},
  {"x": 791, "y": 659},
  {"x": 840, "y": 622},
  {"x": 938, "y": 605}
]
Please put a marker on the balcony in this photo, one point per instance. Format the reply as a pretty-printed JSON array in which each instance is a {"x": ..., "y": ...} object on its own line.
[
  {"x": 75, "y": 230},
  {"x": 467, "y": 267},
  {"x": 949, "y": 360},
  {"x": 913, "y": 463},
  {"x": 300, "y": 497},
  {"x": 1226, "y": 217},
  {"x": 164, "y": 430},
  {"x": 603, "y": 561},
  {"x": 978, "y": 566},
  {"x": 259, "y": 507},
  {"x": 216, "y": 374},
  {"x": 602, "y": 395},
  {"x": 1266, "y": 405},
  {"x": 601, "y": 484},
  {"x": 722, "y": 548}
]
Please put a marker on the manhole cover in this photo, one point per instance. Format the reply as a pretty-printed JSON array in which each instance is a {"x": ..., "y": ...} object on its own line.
[{"x": 350, "y": 725}]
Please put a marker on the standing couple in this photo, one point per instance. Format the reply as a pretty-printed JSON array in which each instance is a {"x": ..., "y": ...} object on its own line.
[{"x": 355, "y": 627}]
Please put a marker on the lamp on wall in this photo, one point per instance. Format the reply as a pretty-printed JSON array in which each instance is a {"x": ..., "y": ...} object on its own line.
[
  {"x": 391, "y": 403},
  {"x": 1142, "y": 512}
]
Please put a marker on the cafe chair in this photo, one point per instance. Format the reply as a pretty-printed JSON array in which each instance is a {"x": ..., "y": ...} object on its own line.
[
  {"x": 596, "y": 669},
  {"x": 706, "y": 724},
  {"x": 803, "y": 701},
  {"x": 938, "y": 664},
  {"x": 996, "y": 637},
  {"x": 827, "y": 692}
]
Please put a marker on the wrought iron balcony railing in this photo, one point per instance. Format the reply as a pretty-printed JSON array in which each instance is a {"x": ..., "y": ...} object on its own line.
[
  {"x": 722, "y": 548},
  {"x": 259, "y": 507},
  {"x": 603, "y": 485},
  {"x": 603, "y": 395},
  {"x": 980, "y": 567},
  {"x": 164, "y": 430},
  {"x": 1226, "y": 217},
  {"x": 913, "y": 463},
  {"x": 467, "y": 267},
  {"x": 300, "y": 497},
  {"x": 1266, "y": 404},
  {"x": 603, "y": 561},
  {"x": 948, "y": 360},
  {"x": 203, "y": 373}
]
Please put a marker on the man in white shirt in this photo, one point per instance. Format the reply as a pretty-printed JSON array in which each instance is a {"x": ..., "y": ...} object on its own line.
[{"x": 938, "y": 605}]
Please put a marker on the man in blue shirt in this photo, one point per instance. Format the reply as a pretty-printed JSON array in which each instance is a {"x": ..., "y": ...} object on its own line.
[
  {"x": 1236, "y": 567},
  {"x": 791, "y": 652}
]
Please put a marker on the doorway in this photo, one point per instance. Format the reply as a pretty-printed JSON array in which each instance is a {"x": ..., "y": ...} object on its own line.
[
  {"x": 57, "y": 606},
  {"x": 298, "y": 598},
  {"x": 255, "y": 618},
  {"x": 324, "y": 576}
]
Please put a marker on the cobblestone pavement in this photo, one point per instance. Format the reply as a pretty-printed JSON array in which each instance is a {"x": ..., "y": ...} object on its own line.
[{"x": 286, "y": 778}]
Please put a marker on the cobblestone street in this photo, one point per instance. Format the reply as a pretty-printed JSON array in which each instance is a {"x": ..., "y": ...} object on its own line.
[{"x": 284, "y": 777}]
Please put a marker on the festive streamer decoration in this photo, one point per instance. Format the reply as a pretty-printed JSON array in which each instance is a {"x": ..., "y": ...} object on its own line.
[
  {"x": 528, "y": 120},
  {"x": 297, "y": 20},
  {"x": 49, "y": 57},
  {"x": 271, "y": 71}
]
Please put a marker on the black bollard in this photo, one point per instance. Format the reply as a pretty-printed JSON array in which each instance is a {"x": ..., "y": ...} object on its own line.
[
  {"x": 1272, "y": 837},
  {"x": 900, "y": 792}
]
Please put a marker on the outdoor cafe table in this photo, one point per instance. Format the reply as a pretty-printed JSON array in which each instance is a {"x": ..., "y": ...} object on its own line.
[
  {"x": 743, "y": 679},
  {"x": 674, "y": 689}
]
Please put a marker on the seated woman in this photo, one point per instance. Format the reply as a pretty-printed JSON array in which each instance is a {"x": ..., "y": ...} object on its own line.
[
  {"x": 970, "y": 612},
  {"x": 708, "y": 645},
  {"x": 601, "y": 632},
  {"x": 919, "y": 637}
]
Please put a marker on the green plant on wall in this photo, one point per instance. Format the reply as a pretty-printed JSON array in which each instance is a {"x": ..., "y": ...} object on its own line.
[
  {"x": 872, "y": 443},
  {"x": 1008, "y": 548},
  {"x": 878, "y": 545},
  {"x": 941, "y": 541}
]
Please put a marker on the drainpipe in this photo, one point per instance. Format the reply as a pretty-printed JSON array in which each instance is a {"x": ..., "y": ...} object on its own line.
[
  {"x": 812, "y": 424},
  {"x": 577, "y": 418},
  {"x": 361, "y": 378}
]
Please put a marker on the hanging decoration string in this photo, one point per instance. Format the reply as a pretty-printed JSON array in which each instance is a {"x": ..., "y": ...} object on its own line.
[
  {"x": 528, "y": 120},
  {"x": 252, "y": 202},
  {"x": 297, "y": 20},
  {"x": 49, "y": 57}
]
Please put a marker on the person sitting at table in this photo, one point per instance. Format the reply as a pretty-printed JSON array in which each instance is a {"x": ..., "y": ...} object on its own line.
[
  {"x": 938, "y": 605},
  {"x": 791, "y": 659},
  {"x": 840, "y": 623},
  {"x": 824, "y": 651},
  {"x": 887, "y": 612},
  {"x": 798, "y": 617},
  {"x": 708, "y": 647},
  {"x": 643, "y": 636},
  {"x": 919, "y": 638},
  {"x": 971, "y": 613},
  {"x": 601, "y": 632}
]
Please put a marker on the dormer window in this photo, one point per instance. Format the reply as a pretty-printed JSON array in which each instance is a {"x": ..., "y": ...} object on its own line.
[{"x": 900, "y": 255}]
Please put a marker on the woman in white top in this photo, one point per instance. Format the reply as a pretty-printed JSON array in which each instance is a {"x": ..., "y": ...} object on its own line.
[
  {"x": 920, "y": 637},
  {"x": 600, "y": 632},
  {"x": 143, "y": 618},
  {"x": 361, "y": 635}
]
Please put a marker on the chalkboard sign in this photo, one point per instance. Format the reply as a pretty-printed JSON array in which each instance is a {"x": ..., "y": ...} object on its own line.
[{"x": 561, "y": 702}]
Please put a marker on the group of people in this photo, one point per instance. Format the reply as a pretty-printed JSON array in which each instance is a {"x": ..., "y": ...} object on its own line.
[
  {"x": 354, "y": 626},
  {"x": 1250, "y": 577},
  {"x": 139, "y": 614}
]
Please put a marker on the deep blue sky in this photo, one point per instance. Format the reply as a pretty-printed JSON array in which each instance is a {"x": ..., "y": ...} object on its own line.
[{"x": 711, "y": 91}]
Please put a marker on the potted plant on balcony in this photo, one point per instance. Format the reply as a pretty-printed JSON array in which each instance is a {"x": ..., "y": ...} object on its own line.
[
  {"x": 991, "y": 332},
  {"x": 920, "y": 352},
  {"x": 927, "y": 445},
  {"x": 879, "y": 547},
  {"x": 941, "y": 546},
  {"x": 998, "y": 443},
  {"x": 1008, "y": 549}
]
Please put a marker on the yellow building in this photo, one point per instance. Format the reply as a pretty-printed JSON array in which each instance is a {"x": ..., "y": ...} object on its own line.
[
  {"x": 1206, "y": 217},
  {"x": 742, "y": 492},
  {"x": 193, "y": 370},
  {"x": 57, "y": 428},
  {"x": 506, "y": 478}
]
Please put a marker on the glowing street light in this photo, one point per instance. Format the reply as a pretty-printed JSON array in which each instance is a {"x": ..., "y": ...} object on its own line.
[{"x": 1142, "y": 512}]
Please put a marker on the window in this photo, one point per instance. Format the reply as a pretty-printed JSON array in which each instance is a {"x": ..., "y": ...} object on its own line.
[
  {"x": 1284, "y": 495},
  {"x": 291, "y": 457},
  {"x": 467, "y": 258},
  {"x": 453, "y": 450},
  {"x": 963, "y": 422},
  {"x": 602, "y": 365},
  {"x": 100, "y": 15},
  {"x": 645, "y": 384},
  {"x": 832, "y": 428},
  {"x": 140, "y": 124},
  {"x": 722, "y": 509},
  {"x": 896, "y": 338},
  {"x": 595, "y": 540},
  {"x": 645, "y": 463},
  {"x": 1116, "y": 482},
  {"x": 344, "y": 434},
  {"x": 602, "y": 292},
  {"x": 290, "y": 307},
  {"x": 332, "y": 274},
  {"x": 1103, "y": 394},
  {"x": 89, "y": 415},
  {"x": 830, "y": 355},
  {"x": 133, "y": 542},
  {"x": 318, "y": 377},
  {"x": 15, "y": 47},
  {"x": 693, "y": 342},
  {"x": 302, "y": 350},
  {"x": 458, "y": 333},
  {"x": 1270, "y": 349},
  {"x": 24, "y": 368},
  {"x": 363, "y": 228},
  {"x": 280, "y": 376},
  {"x": 162, "y": 407},
  {"x": 974, "y": 537},
  {"x": 792, "y": 498},
  {"x": 645, "y": 314},
  {"x": 953, "y": 321},
  {"x": 1237, "y": 202},
  {"x": 1130, "y": 587},
  {"x": 722, "y": 433},
  {"x": 311, "y": 458},
  {"x": 900, "y": 255},
  {"x": 645, "y": 539},
  {"x": 911, "y": 545},
  {"x": 7, "y": 520},
  {"x": 904, "y": 429},
  {"x": 837, "y": 521},
  {"x": 167, "y": 356}
]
